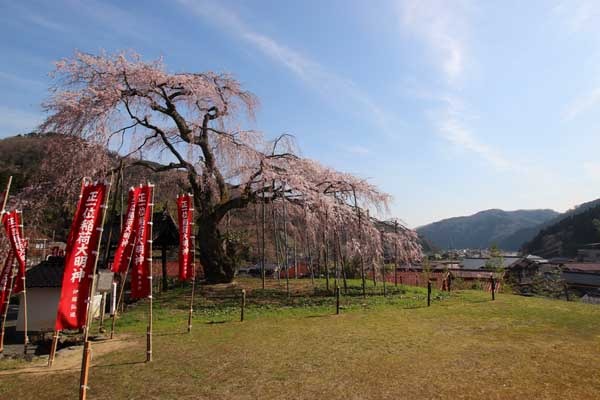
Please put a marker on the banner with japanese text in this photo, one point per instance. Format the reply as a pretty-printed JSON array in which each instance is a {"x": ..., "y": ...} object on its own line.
[
  {"x": 126, "y": 241},
  {"x": 13, "y": 227},
  {"x": 80, "y": 257},
  {"x": 185, "y": 214},
  {"x": 142, "y": 252}
]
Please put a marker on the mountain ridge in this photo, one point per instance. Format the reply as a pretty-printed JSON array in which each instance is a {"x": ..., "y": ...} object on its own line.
[{"x": 486, "y": 227}]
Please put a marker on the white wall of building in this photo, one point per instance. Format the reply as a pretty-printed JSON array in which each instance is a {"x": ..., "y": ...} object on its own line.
[{"x": 42, "y": 304}]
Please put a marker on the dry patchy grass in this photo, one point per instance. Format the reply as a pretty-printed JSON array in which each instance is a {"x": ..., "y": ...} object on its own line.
[{"x": 464, "y": 346}]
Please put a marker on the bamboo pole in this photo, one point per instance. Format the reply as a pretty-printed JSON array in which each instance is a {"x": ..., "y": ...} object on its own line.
[
  {"x": 428, "y": 292},
  {"x": 85, "y": 360},
  {"x": 336, "y": 268},
  {"x": 383, "y": 264},
  {"x": 276, "y": 236},
  {"x": 53, "y": 348},
  {"x": 149, "y": 330},
  {"x": 343, "y": 262},
  {"x": 362, "y": 258},
  {"x": 193, "y": 238},
  {"x": 285, "y": 244},
  {"x": 56, "y": 332},
  {"x": 308, "y": 252},
  {"x": 295, "y": 257},
  {"x": 122, "y": 282},
  {"x": 25, "y": 338},
  {"x": 243, "y": 305},
  {"x": 7, "y": 301},
  {"x": 325, "y": 253},
  {"x": 6, "y": 304},
  {"x": 396, "y": 253},
  {"x": 262, "y": 263},
  {"x": 257, "y": 228},
  {"x": 5, "y": 199},
  {"x": 337, "y": 300}
]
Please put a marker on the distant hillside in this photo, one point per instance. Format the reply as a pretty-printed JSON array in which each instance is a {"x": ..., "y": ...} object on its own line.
[
  {"x": 22, "y": 157},
  {"x": 507, "y": 229},
  {"x": 567, "y": 233}
]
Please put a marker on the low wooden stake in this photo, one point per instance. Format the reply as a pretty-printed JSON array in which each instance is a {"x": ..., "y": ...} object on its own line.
[
  {"x": 428, "y": 293},
  {"x": 53, "y": 348},
  {"x": 85, "y": 370},
  {"x": 243, "y": 305},
  {"x": 337, "y": 300},
  {"x": 191, "y": 313}
]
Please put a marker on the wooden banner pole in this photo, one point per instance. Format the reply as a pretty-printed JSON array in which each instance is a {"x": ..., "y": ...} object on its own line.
[
  {"x": 87, "y": 349},
  {"x": 149, "y": 330},
  {"x": 55, "y": 336},
  {"x": 6, "y": 304},
  {"x": 6, "y": 193},
  {"x": 25, "y": 338},
  {"x": 193, "y": 237},
  {"x": 262, "y": 249},
  {"x": 53, "y": 348}
]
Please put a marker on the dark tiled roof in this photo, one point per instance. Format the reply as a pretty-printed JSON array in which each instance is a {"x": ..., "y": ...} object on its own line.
[
  {"x": 48, "y": 273},
  {"x": 164, "y": 230}
]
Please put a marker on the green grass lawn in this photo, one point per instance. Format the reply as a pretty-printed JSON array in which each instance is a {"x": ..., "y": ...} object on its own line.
[{"x": 463, "y": 346}]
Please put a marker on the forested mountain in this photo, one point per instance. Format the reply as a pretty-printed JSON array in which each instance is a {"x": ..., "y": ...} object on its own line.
[
  {"x": 41, "y": 163},
  {"x": 563, "y": 236},
  {"x": 506, "y": 229}
]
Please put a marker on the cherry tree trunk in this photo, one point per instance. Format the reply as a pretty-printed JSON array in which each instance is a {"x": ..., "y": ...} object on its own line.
[{"x": 219, "y": 266}]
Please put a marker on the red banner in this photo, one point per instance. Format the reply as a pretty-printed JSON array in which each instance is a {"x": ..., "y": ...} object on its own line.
[
  {"x": 185, "y": 214},
  {"x": 5, "y": 275},
  {"x": 12, "y": 225},
  {"x": 141, "y": 273},
  {"x": 80, "y": 257},
  {"x": 126, "y": 242}
]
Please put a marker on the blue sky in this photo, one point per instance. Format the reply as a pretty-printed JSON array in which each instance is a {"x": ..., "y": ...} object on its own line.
[{"x": 450, "y": 106}]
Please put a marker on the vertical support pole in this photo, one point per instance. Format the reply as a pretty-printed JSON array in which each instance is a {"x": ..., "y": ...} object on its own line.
[
  {"x": 383, "y": 264},
  {"x": 428, "y": 293},
  {"x": 85, "y": 370},
  {"x": 262, "y": 258},
  {"x": 295, "y": 257},
  {"x": 493, "y": 287},
  {"x": 566, "y": 287},
  {"x": 243, "y": 305},
  {"x": 395, "y": 253},
  {"x": 163, "y": 262},
  {"x": 6, "y": 304},
  {"x": 149, "y": 330},
  {"x": 6, "y": 193},
  {"x": 337, "y": 299},
  {"x": 53, "y": 348},
  {"x": 102, "y": 313},
  {"x": 326, "y": 254},
  {"x": 193, "y": 238},
  {"x": 85, "y": 360},
  {"x": 285, "y": 244},
  {"x": 362, "y": 258},
  {"x": 24, "y": 293}
]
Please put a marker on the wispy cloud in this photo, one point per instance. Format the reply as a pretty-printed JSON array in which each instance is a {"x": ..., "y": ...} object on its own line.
[
  {"x": 454, "y": 129},
  {"x": 14, "y": 121},
  {"x": 442, "y": 25},
  {"x": 21, "y": 82},
  {"x": 582, "y": 104},
  {"x": 331, "y": 86},
  {"x": 357, "y": 150}
]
